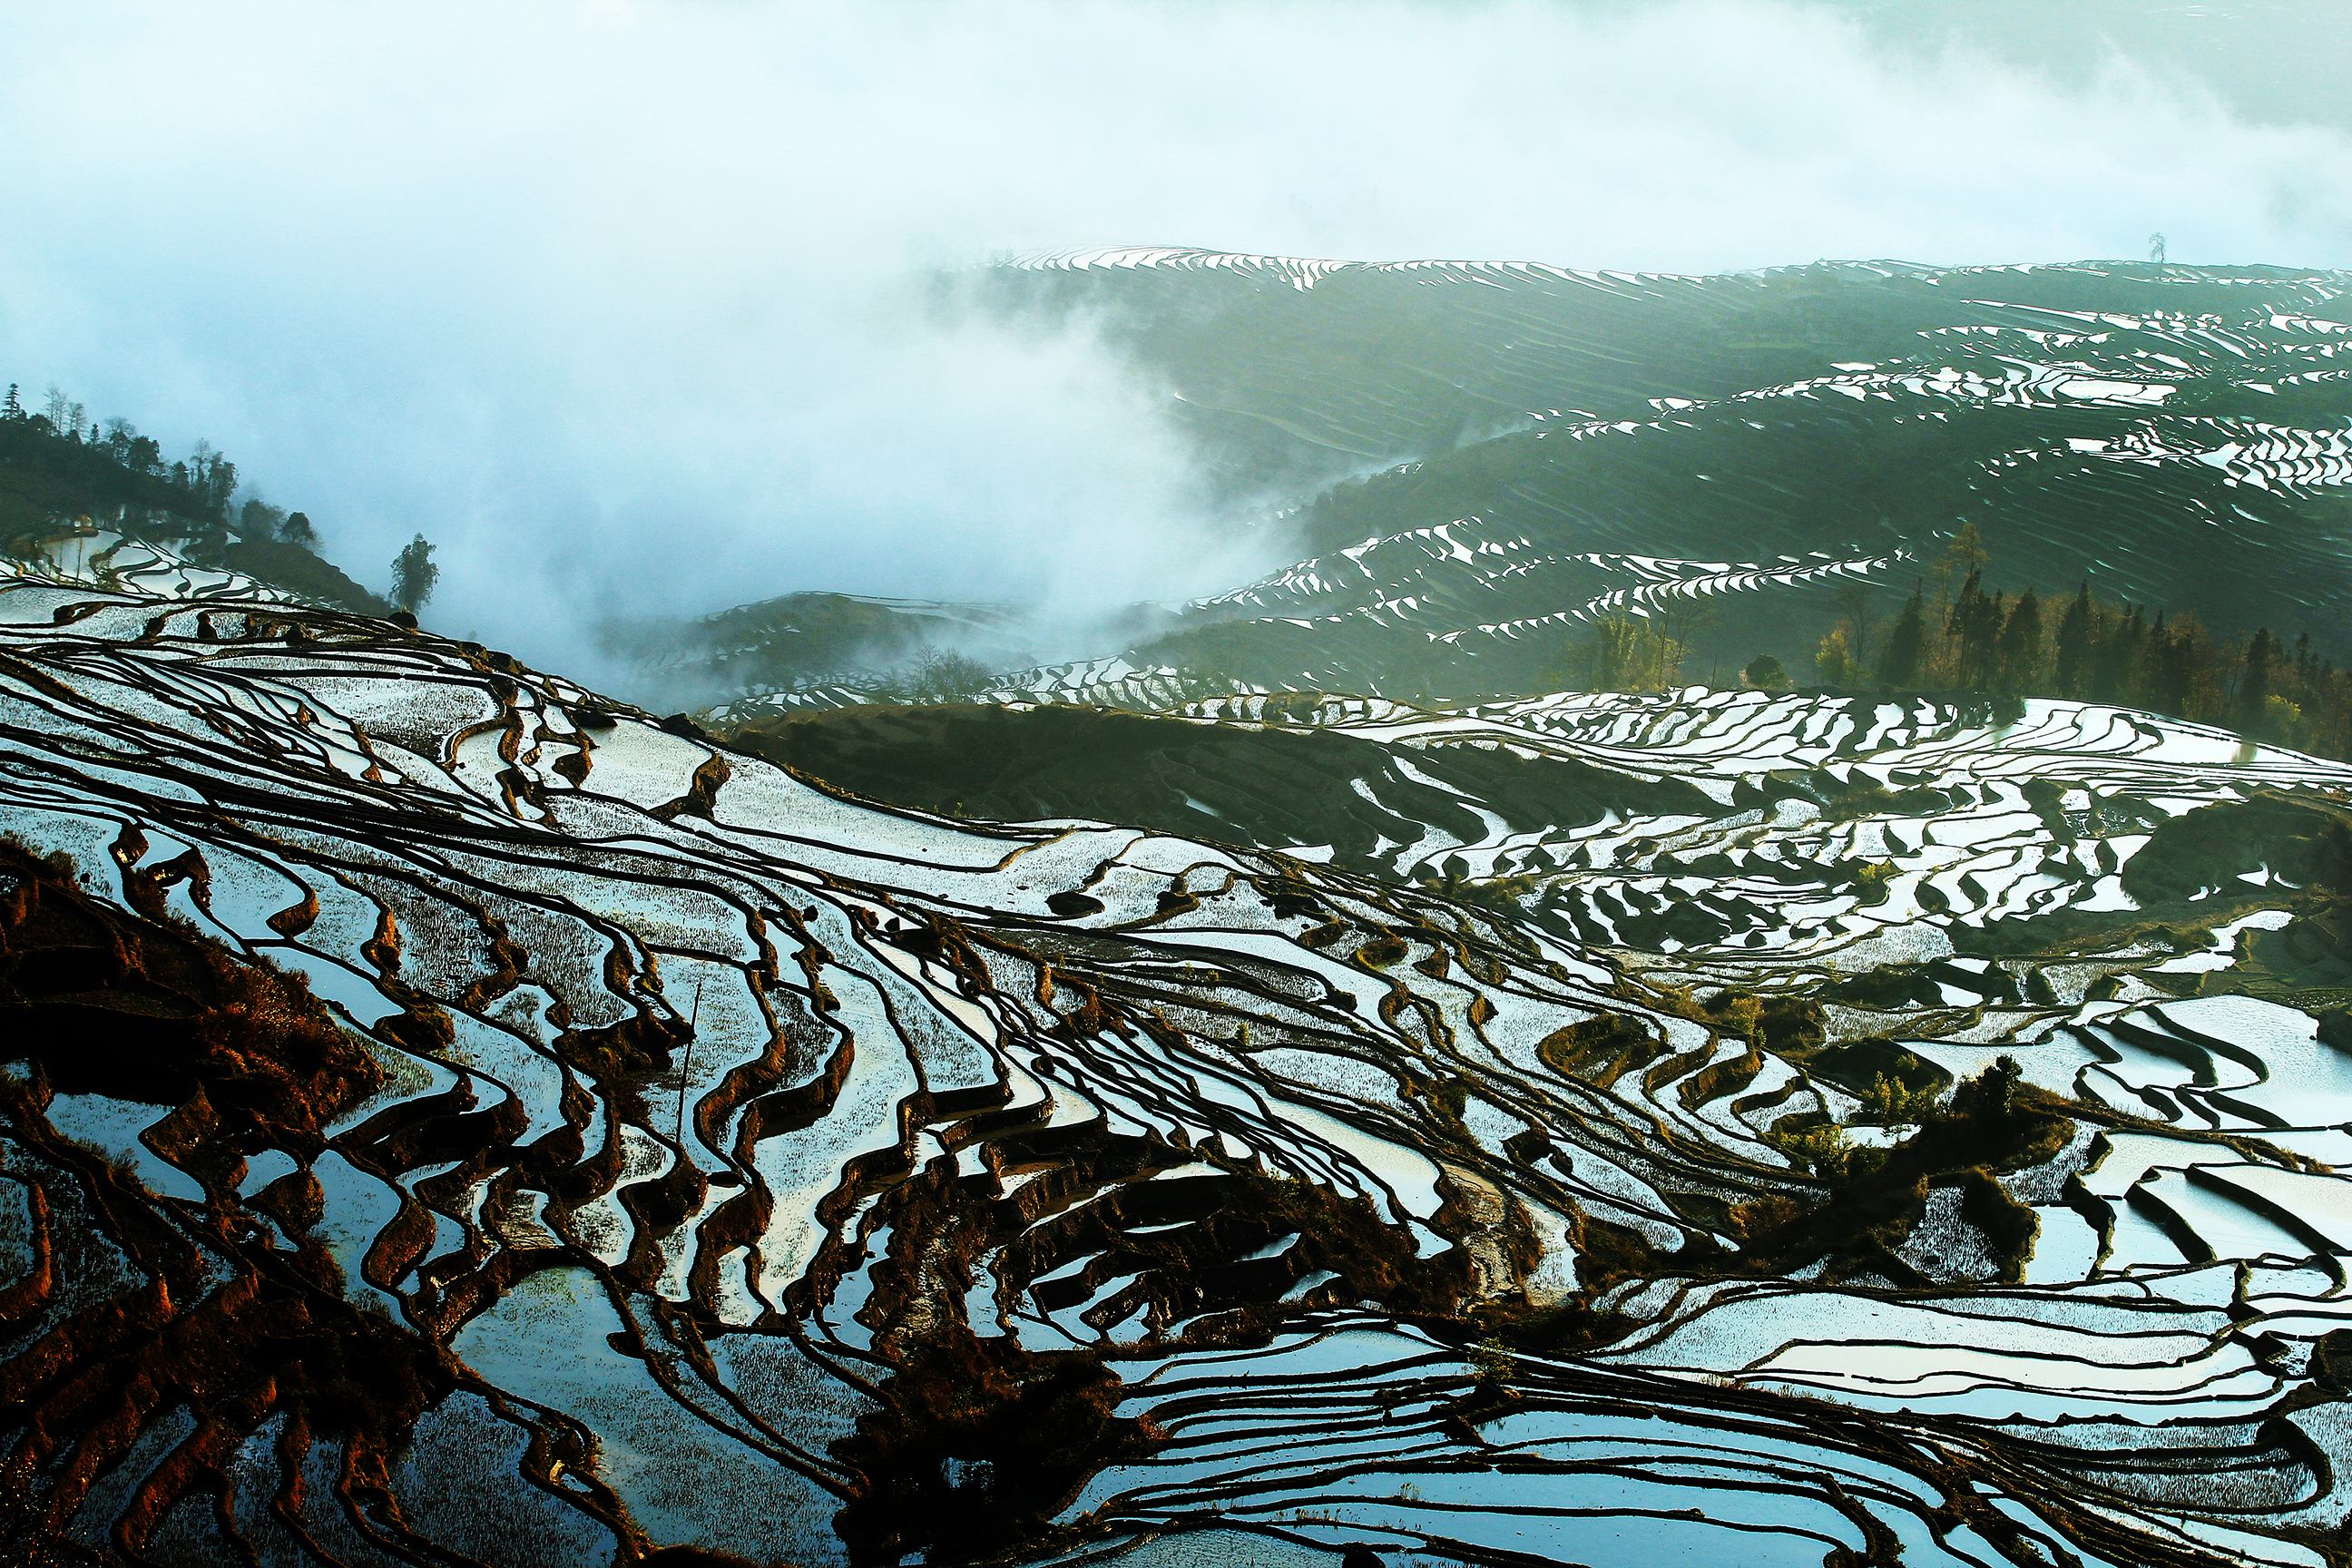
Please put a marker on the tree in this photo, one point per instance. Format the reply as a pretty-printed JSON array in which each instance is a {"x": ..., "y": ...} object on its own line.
[
  {"x": 414, "y": 575},
  {"x": 12, "y": 409},
  {"x": 1967, "y": 557},
  {"x": 257, "y": 518},
  {"x": 1684, "y": 615},
  {"x": 2073, "y": 644},
  {"x": 1898, "y": 661},
  {"x": 213, "y": 478},
  {"x": 2168, "y": 664},
  {"x": 1629, "y": 653},
  {"x": 1835, "y": 659},
  {"x": 2254, "y": 686},
  {"x": 2021, "y": 644},
  {"x": 65, "y": 414},
  {"x": 2118, "y": 660},
  {"x": 943, "y": 674},
  {"x": 2155, "y": 654},
  {"x": 1854, "y": 598},
  {"x": 1973, "y": 623},
  {"x": 296, "y": 530},
  {"x": 121, "y": 440},
  {"x": 1764, "y": 674},
  {"x": 2182, "y": 662}
]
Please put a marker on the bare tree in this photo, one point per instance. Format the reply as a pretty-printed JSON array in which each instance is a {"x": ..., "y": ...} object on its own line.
[
  {"x": 65, "y": 414},
  {"x": 1686, "y": 614},
  {"x": 1853, "y": 602}
]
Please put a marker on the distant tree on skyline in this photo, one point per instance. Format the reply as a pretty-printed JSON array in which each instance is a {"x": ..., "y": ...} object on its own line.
[
  {"x": 414, "y": 575},
  {"x": 65, "y": 414}
]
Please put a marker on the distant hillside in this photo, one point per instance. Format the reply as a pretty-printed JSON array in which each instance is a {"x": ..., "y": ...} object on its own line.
[
  {"x": 292, "y": 566},
  {"x": 804, "y": 638},
  {"x": 1541, "y": 439},
  {"x": 1257, "y": 786}
]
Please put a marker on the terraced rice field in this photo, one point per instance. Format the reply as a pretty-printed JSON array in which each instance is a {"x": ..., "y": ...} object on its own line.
[
  {"x": 619, "y": 1142},
  {"x": 1469, "y": 462},
  {"x": 1486, "y": 453}
]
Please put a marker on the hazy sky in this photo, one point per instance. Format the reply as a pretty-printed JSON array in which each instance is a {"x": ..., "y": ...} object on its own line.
[{"x": 606, "y": 298}]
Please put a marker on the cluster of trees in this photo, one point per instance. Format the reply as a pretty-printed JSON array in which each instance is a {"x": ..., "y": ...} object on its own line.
[
  {"x": 114, "y": 459},
  {"x": 940, "y": 675},
  {"x": 1625, "y": 652},
  {"x": 113, "y": 462},
  {"x": 1951, "y": 634},
  {"x": 79, "y": 463},
  {"x": 258, "y": 519},
  {"x": 1622, "y": 651}
]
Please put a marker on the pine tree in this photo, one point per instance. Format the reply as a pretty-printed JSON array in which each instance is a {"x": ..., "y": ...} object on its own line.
[
  {"x": 2119, "y": 661},
  {"x": 2179, "y": 675},
  {"x": 2021, "y": 644},
  {"x": 2073, "y": 644},
  {"x": 12, "y": 409},
  {"x": 1898, "y": 660},
  {"x": 1973, "y": 623}
]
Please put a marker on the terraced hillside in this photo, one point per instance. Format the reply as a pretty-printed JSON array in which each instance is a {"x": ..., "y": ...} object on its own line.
[
  {"x": 807, "y": 638},
  {"x": 1518, "y": 447},
  {"x": 452, "y": 1116},
  {"x": 1478, "y": 462}
]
